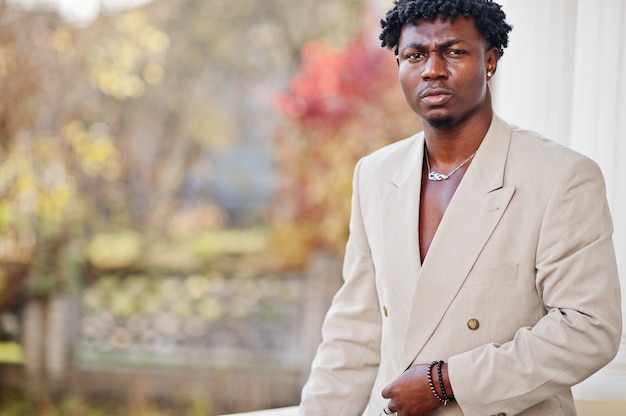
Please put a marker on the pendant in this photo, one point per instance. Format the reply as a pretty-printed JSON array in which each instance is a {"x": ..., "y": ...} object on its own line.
[{"x": 436, "y": 176}]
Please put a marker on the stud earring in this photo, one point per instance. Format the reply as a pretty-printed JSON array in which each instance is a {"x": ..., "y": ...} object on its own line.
[{"x": 489, "y": 74}]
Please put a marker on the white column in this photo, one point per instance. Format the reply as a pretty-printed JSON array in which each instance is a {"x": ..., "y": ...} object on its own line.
[
  {"x": 598, "y": 130},
  {"x": 564, "y": 75},
  {"x": 533, "y": 83}
]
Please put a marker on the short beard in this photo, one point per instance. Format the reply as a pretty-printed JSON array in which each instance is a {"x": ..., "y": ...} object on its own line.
[{"x": 440, "y": 122}]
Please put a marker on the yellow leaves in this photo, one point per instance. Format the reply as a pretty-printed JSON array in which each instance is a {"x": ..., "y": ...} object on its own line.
[
  {"x": 115, "y": 82},
  {"x": 210, "y": 309},
  {"x": 38, "y": 191},
  {"x": 114, "y": 251},
  {"x": 121, "y": 66},
  {"x": 123, "y": 304},
  {"x": 52, "y": 205},
  {"x": 229, "y": 241},
  {"x": 11, "y": 352},
  {"x": 94, "y": 299},
  {"x": 62, "y": 39},
  {"x": 94, "y": 149},
  {"x": 113, "y": 69},
  {"x": 134, "y": 24}
]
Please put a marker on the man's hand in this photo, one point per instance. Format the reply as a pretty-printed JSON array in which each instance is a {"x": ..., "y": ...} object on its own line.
[{"x": 410, "y": 394}]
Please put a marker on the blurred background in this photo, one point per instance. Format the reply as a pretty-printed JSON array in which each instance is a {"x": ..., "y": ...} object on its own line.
[
  {"x": 175, "y": 180},
  {"x": 174, "y": 192}
]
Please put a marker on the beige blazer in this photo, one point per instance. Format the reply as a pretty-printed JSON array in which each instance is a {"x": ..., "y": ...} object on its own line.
[{"x": 519, "y": 291}]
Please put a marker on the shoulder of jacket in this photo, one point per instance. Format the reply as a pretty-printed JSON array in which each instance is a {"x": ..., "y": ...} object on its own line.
[
  {"x": 392, "y": 152},
  {"x": 531, "y": 144}
]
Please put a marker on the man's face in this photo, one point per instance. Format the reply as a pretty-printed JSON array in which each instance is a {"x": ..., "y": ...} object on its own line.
[{"x": 442, "y": 68}]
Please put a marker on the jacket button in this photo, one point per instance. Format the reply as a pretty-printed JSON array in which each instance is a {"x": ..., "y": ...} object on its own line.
[
  {"x": 385, "y": 310},
  {"x": 473, "y": 324}
]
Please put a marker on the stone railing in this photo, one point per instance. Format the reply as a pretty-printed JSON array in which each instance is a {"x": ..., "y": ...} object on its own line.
[
  {"x": 584, "y": 408},
  {"x": 285, "y": 411}
]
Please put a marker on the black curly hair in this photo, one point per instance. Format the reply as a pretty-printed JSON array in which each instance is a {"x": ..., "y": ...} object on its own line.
[{"x": 488, "y": 17}]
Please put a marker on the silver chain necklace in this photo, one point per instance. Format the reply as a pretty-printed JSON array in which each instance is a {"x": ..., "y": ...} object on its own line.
[{"x": 436, "y": 176}]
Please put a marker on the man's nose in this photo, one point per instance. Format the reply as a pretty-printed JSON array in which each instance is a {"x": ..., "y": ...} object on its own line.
[{"x": 434, "y": 67}]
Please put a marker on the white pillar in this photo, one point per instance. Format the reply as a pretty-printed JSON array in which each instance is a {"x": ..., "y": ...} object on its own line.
[
  {"x": 532, "y": 87},
  {"x": 598, "y": 130},
  {"x": 564, "y": 75}
]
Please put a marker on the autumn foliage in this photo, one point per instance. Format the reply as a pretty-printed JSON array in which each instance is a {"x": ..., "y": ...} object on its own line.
[
  {"x": 340, "y": 105},
  {"x": 62, "y": 92}
]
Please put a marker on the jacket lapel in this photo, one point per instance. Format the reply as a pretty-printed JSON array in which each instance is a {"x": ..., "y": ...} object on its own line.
[
  {"x": 472, "y": 215},
  {"x": 398, "y": 222}
]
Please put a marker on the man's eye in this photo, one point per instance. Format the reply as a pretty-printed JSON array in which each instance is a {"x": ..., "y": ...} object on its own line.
[
  {"x": 415, "y": 55},
  {"x": 456, "y": 52}
]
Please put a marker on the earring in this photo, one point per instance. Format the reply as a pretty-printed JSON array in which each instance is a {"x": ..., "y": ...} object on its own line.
[{"x": 489, "y": 74}]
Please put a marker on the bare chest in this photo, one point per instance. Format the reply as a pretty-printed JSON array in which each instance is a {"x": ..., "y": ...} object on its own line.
[{"x": 435, "y": 197}]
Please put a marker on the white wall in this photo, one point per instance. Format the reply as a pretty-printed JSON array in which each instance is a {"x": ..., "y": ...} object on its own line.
[{"x": 564, "y": 75}]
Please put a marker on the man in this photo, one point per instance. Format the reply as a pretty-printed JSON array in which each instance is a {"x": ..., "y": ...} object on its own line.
[{"x": 480, "y": 275}]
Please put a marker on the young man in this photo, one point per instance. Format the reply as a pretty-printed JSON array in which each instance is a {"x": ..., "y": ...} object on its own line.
[{"x": 480, "y": 275}]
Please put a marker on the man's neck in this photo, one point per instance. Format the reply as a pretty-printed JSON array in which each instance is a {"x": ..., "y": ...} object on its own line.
[{"x": 449, "y": 144}]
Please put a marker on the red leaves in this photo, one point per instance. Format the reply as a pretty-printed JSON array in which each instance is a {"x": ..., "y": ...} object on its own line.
[
  {"x": 339, "y": 106},
  {"x": 332, "y": 86}
]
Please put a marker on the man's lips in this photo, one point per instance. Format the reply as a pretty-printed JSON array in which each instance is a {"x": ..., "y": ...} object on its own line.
[{"x": 435, "y": 96}]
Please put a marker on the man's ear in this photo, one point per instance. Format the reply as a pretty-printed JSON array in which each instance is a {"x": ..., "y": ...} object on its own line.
[{"x": 492, "y": 57}]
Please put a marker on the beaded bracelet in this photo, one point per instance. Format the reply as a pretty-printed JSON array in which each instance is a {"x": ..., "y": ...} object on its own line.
[
  {"x": 431, "y": 385},
  {"x": 443, "y": 387},
  {"x": 445, "y": 399}
]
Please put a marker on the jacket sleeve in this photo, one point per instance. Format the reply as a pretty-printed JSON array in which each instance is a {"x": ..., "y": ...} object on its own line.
[
  {"x": 346, "y": 362},
  {"x": 577, "y": 282}
]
